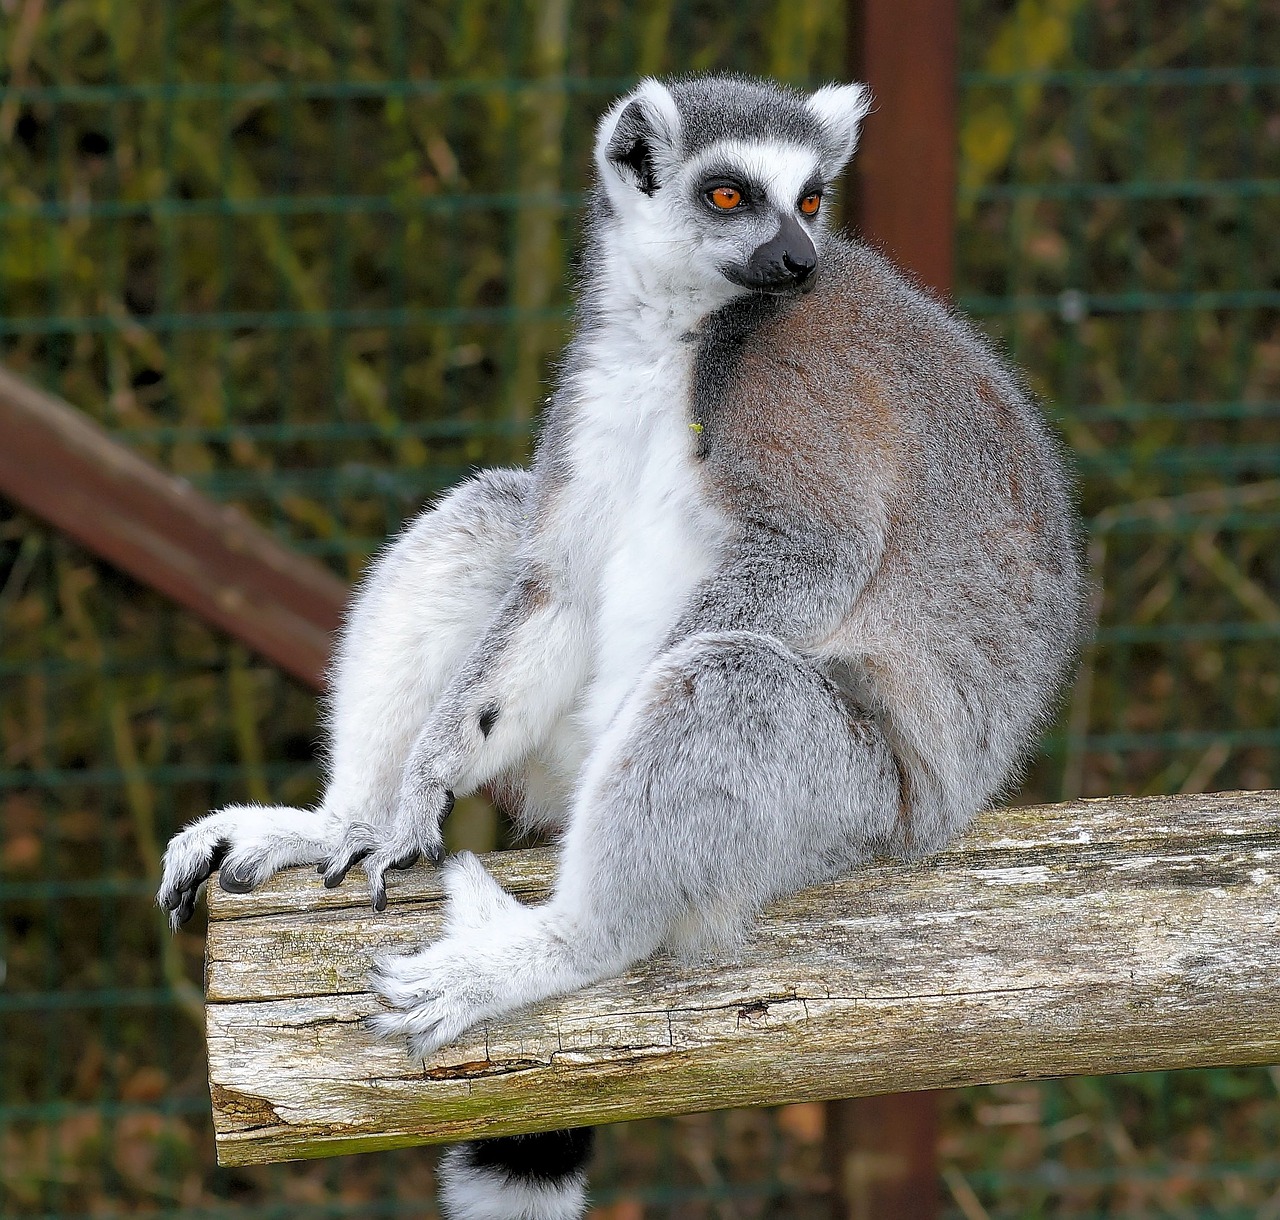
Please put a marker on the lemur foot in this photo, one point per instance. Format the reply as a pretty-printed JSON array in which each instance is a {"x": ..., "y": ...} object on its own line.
[
  {"x": 244, "y": 844},
  {"x": 471, "y": 974},
  {"x": 379, "y": 849}
]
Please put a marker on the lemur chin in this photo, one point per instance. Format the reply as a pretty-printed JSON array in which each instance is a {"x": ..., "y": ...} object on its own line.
[{"x": 793, "y": 582}]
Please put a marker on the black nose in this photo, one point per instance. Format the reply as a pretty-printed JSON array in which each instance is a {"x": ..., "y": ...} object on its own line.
[
  {"x": 785, "y": 262},
  {"x": 800, "y": 263}
]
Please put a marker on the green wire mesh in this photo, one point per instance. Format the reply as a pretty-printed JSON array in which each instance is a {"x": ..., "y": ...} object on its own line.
[
  {"x": 1118, "y": 210},
  {"x": 315, "y": 257}
]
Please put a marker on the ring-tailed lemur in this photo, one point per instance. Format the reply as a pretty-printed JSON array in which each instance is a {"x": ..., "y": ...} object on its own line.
[{"x": 792, "y": 583}]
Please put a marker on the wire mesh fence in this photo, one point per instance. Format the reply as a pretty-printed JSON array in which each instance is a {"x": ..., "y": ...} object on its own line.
[{"x": 315, "y": 257}]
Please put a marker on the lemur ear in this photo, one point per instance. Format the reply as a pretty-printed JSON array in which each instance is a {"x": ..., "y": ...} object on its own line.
[
  {"x": 840, "y": 110},
  {"x": 637, "y": 138}
]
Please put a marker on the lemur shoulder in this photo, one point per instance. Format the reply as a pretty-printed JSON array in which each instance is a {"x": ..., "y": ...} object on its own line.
[{"x": 793, "y": 582}]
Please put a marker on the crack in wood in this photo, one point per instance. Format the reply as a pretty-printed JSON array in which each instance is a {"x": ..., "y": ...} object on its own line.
[{"x": 1122, "y": 935}]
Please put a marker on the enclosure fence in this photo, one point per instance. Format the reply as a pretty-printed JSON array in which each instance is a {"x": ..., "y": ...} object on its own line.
[{"x": 315, "y": 259}]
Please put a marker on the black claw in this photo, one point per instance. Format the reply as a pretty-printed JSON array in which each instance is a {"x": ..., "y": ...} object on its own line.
[
  {"x": 436, "y": 854},
  {"x": 334, "y": 879},
  {"x": 233, "y": 882},
  {"x": 186, "y": 906},
  {"x": 448, "y": 803},
  {"x": 405, "y": 862},
  {"x": 218, "y": 855},
  {"x": 195, "y": 879},
  {"x": 185, "y": 891},
  {"x": 380, "y": 899}
]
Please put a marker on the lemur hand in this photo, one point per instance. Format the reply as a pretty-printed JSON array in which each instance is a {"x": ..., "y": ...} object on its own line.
[
  {"x": 412, "y": 834},
  {"x": 244, "y": 844}
]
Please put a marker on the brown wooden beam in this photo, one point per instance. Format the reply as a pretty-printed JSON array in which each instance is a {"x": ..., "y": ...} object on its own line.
[
  {"x": 211, "y": 558},
  {"x": 883, "y": 1151}
]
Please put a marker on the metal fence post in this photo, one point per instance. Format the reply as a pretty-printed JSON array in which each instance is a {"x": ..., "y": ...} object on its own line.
[{"x": 883, "y": 1151}]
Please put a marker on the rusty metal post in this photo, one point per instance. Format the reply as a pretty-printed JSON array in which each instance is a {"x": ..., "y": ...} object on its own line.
[
  {"x": 883, "y": 1154},
  {"x": 904, "y": 193},
  {"x": 883, "y": 1151}
]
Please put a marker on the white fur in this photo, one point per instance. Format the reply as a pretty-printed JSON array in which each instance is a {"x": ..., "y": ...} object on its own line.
[
  {"x": 471, "y": 1193},
  {"x": 633, "y": 457},
  {"x": 620, "y": 548},
  {"x": 841, "y": 109},
  {"x": 785, "y": 170}
]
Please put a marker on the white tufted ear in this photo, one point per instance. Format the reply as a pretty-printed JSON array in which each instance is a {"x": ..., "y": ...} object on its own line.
[
  {"x": 840, "y": 109},
  {"x": 637, "y": 139}
]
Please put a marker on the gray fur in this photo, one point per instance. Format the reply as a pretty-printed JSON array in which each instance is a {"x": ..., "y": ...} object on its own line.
[
  {"x": 714, "y": 108},
  {"x": 793, "y": 583}
]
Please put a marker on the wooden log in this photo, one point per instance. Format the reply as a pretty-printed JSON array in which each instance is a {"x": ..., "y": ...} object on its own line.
[
  {"x": 62, "y": 466},
  {"x": 1098, "y": 936}
]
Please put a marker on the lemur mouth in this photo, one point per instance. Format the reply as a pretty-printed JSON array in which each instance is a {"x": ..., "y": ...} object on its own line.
[{"x": 788, "y": 286}]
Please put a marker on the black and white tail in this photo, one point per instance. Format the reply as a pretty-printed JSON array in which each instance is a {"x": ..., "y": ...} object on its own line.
[{"x": 517, "y": 1177}]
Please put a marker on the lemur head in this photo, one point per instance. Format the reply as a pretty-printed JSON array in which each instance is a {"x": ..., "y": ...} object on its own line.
[{"x": 720, "y": 180}]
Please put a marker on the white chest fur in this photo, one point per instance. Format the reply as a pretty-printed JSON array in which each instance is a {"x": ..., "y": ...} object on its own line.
[{"x": 657, "y": 534}]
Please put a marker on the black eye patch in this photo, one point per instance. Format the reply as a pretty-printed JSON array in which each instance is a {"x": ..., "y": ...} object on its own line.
[
  {"x": 712, "y": 182},
  {"x": 815, "y": 186}
]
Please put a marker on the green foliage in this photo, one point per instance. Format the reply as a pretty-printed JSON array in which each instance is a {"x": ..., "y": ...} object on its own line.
[{"x": 315, "y": 257}]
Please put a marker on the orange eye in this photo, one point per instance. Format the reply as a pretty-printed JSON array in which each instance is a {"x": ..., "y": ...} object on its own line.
[
  {"x": 810, "y": 204},
  {"x": 725, "y": 198}
]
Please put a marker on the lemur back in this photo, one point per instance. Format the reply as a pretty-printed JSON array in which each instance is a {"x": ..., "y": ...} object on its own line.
[
  {"x": 871, "y": 408},
  {"x": 792, "y": 583}
]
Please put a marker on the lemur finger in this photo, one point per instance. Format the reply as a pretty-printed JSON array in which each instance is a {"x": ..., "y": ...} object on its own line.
[
  {"x": 185, "y": 909},
  {"x": 377, "y": 867},
  {"x": 175, "y": 889},
  {"x": 433, "y": 847},
  {"x": 336, "y": 870},
  {"x": 237, "y": 878},
  {"x": 431, "y": 1022},
  {"x": 359, "y": 841},
  {"x": 377, "y": 886}
]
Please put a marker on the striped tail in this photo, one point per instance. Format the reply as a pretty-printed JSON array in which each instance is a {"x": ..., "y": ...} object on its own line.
[{"x": 517, "y": 1177}]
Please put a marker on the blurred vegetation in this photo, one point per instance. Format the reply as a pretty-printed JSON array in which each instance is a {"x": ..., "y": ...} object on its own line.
[{"x": 315, "y": 257}]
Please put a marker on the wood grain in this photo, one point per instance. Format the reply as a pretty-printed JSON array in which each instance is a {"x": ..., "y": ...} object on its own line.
[
  {"x": 1098, "y": 936},
  {"x": 211, "y": 558}
]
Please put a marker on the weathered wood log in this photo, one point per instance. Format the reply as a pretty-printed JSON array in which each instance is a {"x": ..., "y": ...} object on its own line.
[
  {"x": 211, "y": 558},
  {"x": 1099, "y": 936}
]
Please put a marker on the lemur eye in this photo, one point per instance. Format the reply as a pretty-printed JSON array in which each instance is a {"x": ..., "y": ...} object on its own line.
[
  {"x": 726, "y": 198},
  {"x": 810, "y": 204}
]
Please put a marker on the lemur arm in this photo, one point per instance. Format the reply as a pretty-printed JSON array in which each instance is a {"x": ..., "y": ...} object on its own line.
[
  {"x": 513, "y": 686},
  {"x": 796, "y": 580},
  {"x": 501, "y": 702},
  {"x": 526, "y": 668}
]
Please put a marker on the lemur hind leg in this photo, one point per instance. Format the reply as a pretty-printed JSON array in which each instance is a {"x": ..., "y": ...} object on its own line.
[
  {"x": 426, "y": 600},
  {"x": 701, "y": 803}
]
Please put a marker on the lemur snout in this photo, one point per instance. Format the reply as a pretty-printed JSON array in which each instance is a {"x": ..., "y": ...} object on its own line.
[{"x": 786, "y": 261}]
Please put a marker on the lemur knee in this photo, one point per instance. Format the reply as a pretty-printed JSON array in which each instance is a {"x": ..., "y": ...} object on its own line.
[{"x": 751, "y": 682}]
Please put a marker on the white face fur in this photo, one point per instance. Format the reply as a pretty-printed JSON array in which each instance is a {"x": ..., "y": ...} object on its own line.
[{"x": 742, "y": 212}]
